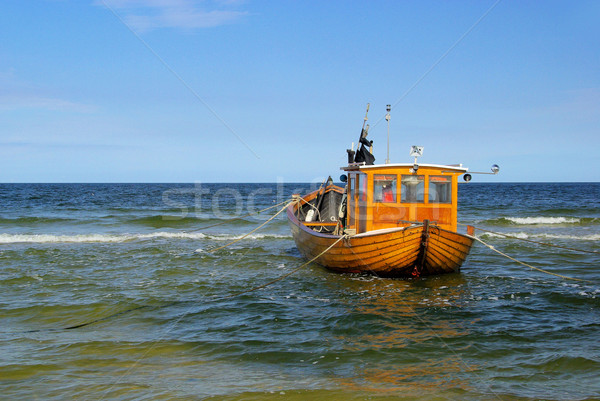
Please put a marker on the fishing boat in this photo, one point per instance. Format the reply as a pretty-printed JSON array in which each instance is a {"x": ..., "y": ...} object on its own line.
[{"x": 390, "y": 220}]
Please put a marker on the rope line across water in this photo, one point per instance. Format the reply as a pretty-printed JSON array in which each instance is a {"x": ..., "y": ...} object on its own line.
[
  {"x": 241, "y": 217},
  {"x": 253, "y": 231},
  {"x": 77, "y": 326},
  {"x": 345, "y": 236},
  {"x": 528, "y": 265}
]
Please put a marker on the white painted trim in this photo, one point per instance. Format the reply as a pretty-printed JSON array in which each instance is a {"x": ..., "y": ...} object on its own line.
[{"x": 396, "y": 165}]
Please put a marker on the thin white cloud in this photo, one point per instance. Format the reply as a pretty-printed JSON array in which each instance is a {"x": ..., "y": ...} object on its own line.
[
  {"x": 16, "y": 94},
  {"x": 146, "y": 15},
  {"x": 10, "y": 102}
]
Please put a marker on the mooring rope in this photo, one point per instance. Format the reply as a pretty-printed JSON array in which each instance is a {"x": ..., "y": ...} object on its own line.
[
  {"x": 240, "y": 217},
  {"x": 345, "y": 236},
  {"x": 231, "y": 296},
  {"x": 258, "y": 287},
  {"x": 77, "y": 326},
  {"x": 253, "y": 231},
  {"x": 528, "y": 265},
  {"x": 532, "y": 241},
  {"x": 299, "y": 198}
]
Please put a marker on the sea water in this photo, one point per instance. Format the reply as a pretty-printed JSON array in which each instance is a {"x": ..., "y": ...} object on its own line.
[{"x": 111, "y": 291}]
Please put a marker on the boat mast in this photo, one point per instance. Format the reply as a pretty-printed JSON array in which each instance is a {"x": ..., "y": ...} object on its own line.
[
  {"x": 387, "y": 118},
  {"x": 364, "y": 132}
]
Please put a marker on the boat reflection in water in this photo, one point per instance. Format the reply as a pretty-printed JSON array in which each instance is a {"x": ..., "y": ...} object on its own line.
[{"x": 403, "y": 323}]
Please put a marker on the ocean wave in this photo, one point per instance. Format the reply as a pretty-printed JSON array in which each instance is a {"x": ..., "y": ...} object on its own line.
[
  {"x": 516, "y": 235},
  {"x": 174, "y": 220},
  {"x": 108, "y": 238},
  {"x": 33, "y": 220},
  {"x": 228, "y": 237},
  {"x": 523, "y": 235},
  {"x": 49, "y": 238},
  {"x": 541, "y": 220},
  {"x": 589, "y": 237}
]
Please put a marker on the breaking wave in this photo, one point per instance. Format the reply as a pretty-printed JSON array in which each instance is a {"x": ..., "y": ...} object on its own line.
[
  {"x": 544, "y": 220},
  {"x": 522, "y": 235},
  {"x": 108, "y": 238},
  {"x": 541, "y": 220}
]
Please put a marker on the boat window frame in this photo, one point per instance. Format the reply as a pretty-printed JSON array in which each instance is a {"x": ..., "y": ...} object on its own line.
[
  {"x": 393, "y": 178},
  {"x": 362, "y": 185},
  {"x": 352, "y": 199},
  {"x": 432, "y": 184},
  {"x": 420, "y": 186}
]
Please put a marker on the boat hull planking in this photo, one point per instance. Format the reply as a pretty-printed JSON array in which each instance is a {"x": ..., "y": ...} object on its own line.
[{"x": 415, "y": 250}]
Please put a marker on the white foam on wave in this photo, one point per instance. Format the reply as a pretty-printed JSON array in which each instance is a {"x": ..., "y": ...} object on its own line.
[
  {"x": 228, "y": 237},
  {"x": 516, "y": 235},
  {"x": 543, "y": 220},
  {"x": 116, "y": 238},
  {"x": 164, "y": 234},
  {"x": 589, "y": 237},
  {"x": 522, "y": 235},
  {"x": 49, "y": 238}
]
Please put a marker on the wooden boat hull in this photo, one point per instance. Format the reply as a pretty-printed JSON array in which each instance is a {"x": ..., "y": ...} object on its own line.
[{"x": 416, "y": 250}]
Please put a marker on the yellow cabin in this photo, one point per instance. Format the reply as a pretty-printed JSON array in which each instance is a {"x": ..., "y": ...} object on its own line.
[{"x": 398, "y": 195}]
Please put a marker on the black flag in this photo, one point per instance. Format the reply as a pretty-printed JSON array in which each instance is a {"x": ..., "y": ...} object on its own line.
[{"x": 363, "y": 155}]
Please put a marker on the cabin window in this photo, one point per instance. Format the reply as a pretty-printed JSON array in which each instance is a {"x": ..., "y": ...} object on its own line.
[
  {"x": 362, "y": 187},
  {"x": 412, "y": 189},
  {"x": 352, "y": 187},
  {"x": 351, "y": 200},
  {"x": 440, "y": 189},
  {"x": 384, "y": 188}
]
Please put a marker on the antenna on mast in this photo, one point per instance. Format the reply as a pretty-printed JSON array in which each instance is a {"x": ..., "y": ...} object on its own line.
[
  {"x": 366, "y": 114},
  {"x": 365, "y": 153},
  {"x": 388, "y": 108}
]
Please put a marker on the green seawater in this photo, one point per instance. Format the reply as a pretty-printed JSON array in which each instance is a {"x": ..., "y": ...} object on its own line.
[{"x": 109, "y": 292}]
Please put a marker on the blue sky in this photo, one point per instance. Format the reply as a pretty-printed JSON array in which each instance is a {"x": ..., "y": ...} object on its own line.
[{"x": 265, "y": 91}]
